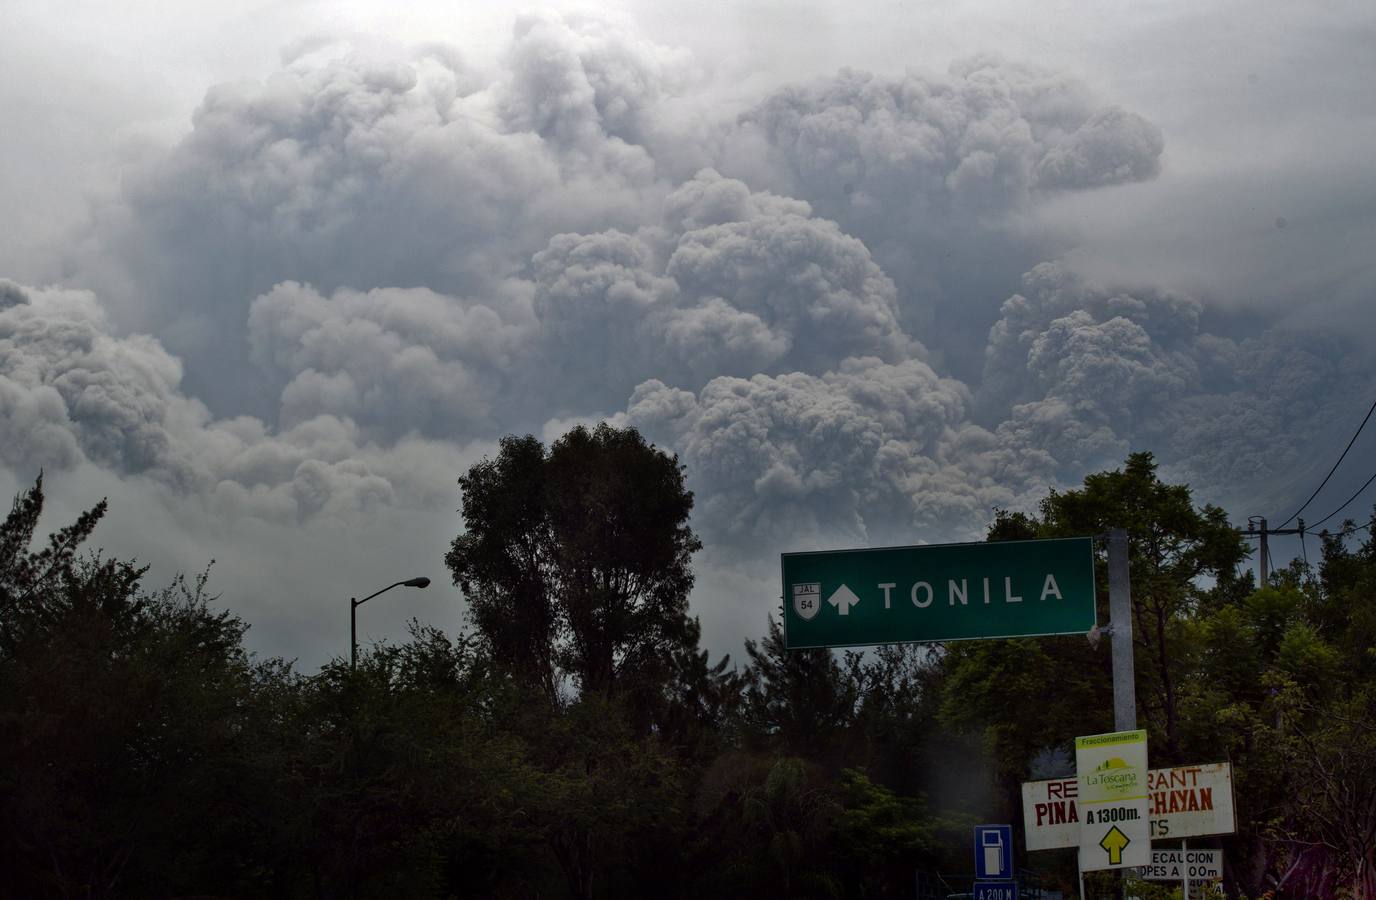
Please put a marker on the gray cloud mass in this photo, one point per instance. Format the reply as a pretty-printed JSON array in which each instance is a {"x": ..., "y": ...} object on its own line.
[{"x": 345, "y": 281}]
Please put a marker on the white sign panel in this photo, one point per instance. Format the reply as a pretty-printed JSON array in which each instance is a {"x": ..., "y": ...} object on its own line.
[
  {"x": 1111, "y": 772},
  {"x": 1186, "y": 802},
  {"x": 1191, "y": 801},
  {"x": 1176, "y": 865}
]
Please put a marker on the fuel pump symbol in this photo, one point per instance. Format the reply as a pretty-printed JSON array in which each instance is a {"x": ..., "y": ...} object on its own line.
[{"x": 993, "y": 852}]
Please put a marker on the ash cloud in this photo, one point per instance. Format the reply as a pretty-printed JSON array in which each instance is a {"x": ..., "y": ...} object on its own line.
[
  {"x": 871, "y": 452},
  {"x": 345, "y": 282},
  {"x": 365, "y": 169},
  {"x": 933, "y": 171},
  {"x": 729, "y": 281},
  {"x": 76, "y": 393}
]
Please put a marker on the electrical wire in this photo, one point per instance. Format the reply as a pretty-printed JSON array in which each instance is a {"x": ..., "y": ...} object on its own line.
[
  {"x": 1334, "y": 469},
  {"x": 1349, "y": 500},
  {"x": 1345, "y": 532}
]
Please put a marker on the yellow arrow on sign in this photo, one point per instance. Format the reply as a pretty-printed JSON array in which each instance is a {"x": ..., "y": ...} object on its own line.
[{"x": 1114, "y": 842}]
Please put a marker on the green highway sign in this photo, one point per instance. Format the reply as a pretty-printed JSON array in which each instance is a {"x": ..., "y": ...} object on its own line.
[{"x": 942, "y": 592}]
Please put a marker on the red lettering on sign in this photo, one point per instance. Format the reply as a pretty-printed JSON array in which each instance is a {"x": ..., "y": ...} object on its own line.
[
  {"x": 1041, "y": 809},
  {"x": 1198, "y": 799}
]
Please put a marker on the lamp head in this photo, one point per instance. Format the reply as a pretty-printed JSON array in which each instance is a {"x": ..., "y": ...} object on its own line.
[{"x": 417, "y": 582}]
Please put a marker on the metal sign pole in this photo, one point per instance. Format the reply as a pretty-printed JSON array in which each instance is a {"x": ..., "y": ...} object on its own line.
[
  {"x": 1184, "y": 871},
  {"x": 1120, "y": 620}
]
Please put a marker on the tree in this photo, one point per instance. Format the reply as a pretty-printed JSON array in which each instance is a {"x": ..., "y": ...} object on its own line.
[
  {"x": 28, "y": 579},
  {"x": 122, "y": 715},
  {"x": 1031, "y": 697},
  {"x": 796, "y": 701},
  {"x": 1175, "y": 549},
  {"x": 576, "y": 560},
  {"x": 1300, "y": 701}
]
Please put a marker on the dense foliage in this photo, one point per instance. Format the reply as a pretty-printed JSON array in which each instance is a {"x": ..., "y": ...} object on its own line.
[{"x": 579, "y": 743}]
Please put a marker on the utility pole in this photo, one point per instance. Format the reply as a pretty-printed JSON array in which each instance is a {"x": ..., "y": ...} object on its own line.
[{"x": 1263, "y": 549}]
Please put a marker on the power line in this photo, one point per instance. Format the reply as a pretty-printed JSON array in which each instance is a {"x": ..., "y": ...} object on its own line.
[
  {"x": 1349, "y": 500},
  {"x": 1335, "y": 466},
  {"x": 1346, "y": 531}
]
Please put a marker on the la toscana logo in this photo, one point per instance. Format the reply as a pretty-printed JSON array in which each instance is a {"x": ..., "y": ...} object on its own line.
[{"x": 1114, "y": 773}]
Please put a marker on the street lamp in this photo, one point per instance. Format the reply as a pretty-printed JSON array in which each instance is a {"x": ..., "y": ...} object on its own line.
[{"x": 421, "y": 582}]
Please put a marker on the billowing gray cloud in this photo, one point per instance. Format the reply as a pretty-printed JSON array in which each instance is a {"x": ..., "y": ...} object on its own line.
[
  {"x": 871, "y": 452},
  {"x": 70, "y": 389},
  {"x": 1066, "y": 338},
  {"x": 1112, "y": 146},
  {"x": 334, "y": 291},
  {"x": 579, "y": 80},
  {"x": 932, "y": 172},
  {"x": 368, "y": 169},
  {"x": 365, "y": 168},
  {"x": 1086, "y": 372},
  {"x": 979, "y": 139},
  {"x": 74, "y": 392},
  {"x": 392, "y": 359},
  {"x": 731, "y": 282}
]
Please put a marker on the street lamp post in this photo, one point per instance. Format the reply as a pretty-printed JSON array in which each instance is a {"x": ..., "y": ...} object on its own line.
[{"x": 421, "y": 582}]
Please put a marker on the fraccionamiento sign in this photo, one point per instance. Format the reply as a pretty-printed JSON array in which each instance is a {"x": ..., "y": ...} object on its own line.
[{"x": 1111, "y": 775}]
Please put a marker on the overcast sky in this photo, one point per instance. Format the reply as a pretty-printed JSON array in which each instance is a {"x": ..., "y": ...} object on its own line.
[{"x": 274, "y": 275}]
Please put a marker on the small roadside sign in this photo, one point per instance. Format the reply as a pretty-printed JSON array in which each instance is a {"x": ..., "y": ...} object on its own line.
[
  {"x": 1184, "y": 802},
  {"x": 1177, "y": 865},
  {"x": 1111, "y": 771},
  {"x": 993, "y": 852},
  {"x": 996, "y": 890}
]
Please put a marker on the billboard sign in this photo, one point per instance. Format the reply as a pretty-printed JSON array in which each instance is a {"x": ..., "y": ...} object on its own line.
[{"x": 1184, "y": 802}]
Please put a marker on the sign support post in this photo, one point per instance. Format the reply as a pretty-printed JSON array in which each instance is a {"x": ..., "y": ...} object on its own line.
[
  {"x": 1120, "y": 622},
  {"x": 1185, "y": 875}
]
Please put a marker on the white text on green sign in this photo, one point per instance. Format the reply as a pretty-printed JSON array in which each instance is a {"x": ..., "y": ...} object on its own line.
[{"x": 944, "y": 592}]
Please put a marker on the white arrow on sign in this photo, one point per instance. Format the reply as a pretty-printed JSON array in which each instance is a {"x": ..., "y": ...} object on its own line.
[{"x": 843, "y": 600}]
